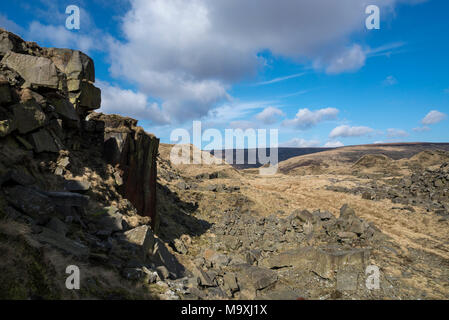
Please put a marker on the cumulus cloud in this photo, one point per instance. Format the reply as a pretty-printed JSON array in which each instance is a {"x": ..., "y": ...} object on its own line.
[
  {"x": 333, "y": 144},
  {"x": 189, "y": 53},
  {"x": 129, "y": 103},
  {"x": 345, "y": 131},
  {"x": 433, "y": 117},
  {"x": 306, "y": 118},
  {"x": 269, "y": 115},
  {"x": 300, "y": 143},
  {"x": 396, "y": 133}
]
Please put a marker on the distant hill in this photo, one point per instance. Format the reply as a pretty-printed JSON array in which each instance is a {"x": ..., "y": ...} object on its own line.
[
  {"x": 363, "y": 157},
  {"x": 394, "y": 151},
  {"x": 283, "y": 154}
]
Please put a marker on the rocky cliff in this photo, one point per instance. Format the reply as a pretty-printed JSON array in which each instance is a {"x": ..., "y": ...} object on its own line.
[
  {"x": 75, "y": 180},
  {"x": 47, "y": 98}
]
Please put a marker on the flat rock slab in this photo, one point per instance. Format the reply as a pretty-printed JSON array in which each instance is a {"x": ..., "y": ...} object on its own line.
[
  {"x": 30, "y": 201},
  {"x": 67, "y": 199},
  {"x": 162, "y": 256},
  {"x": 255, "y": 277},
  {"x": 59, "y": 241},
  {"x": 142, "y": 237},
  {"x": 43, "y": 141},
  {"x": 28, "y": 116},
  {"x": 65, "y": 109},
  {"x": 323, "y": 261},
  {"x": 38, "y": 71}
]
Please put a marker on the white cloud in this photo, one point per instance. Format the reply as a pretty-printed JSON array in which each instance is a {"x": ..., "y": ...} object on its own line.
[
  {"x": 129, "y": 103},
  {"x": 61, "y": 37},
  {"x": 333, "y": 144},
  {"x": 421, "y": 129},
  {"x": 433, "y": 117},
  {"x": 396, "y": 133},
  {"x": 347, "y": 131},
  {"x": 10, "y": 25},
  {"x": 306, "y": 118},
  {"x": 242, "y": 124},
  {"x": 233, "y": 111},
  {"x": 280, "y": 79},
  {"x": 350, "y": 59},
  {"x": 300, "y": 143},
  {"x": 189, "y": 53},
  {"x": 390, "y": 81},
  {"x": 269, "y": 115}
]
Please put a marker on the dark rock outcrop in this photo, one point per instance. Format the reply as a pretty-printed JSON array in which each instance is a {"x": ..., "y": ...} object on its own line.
[
  {"x": 79, "y": 182},
  {"x": 134, "y": 152}
]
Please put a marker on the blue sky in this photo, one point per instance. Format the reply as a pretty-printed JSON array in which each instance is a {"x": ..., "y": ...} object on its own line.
[{"x": 307, "y": 68}]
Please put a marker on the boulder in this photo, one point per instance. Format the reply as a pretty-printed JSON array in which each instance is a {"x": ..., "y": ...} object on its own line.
[
  {"x": 27, "y": 94},
  {"x": 163, "y": 272},
  {"x": 230, "y": 284},
  {"x": 88, "y": 97},
  {"x": 143, "y": 238},
  {"x": 36, "y": 71},
  {"x": 180, "y": 246},
  {"x": 5, "y": 92},
  {"x": 346, "y": 212},
  {"x": 65, "y": 109},
  {"x": 43, "y": 141},
  {"x": 162, "y": 256},
  {"x": 203, "y": 278},
  {"x": 256, "y": 277},
  {"x": 28, "y": 116},
  {"x": 30, "y": 201},
  {"x": 75, "y": 64},
  {"x": 322, "y": 261},
  {"x": 219, "y": 260},
  {"x": 10, "y": 42},
  {"x": 111, "y": 222}
]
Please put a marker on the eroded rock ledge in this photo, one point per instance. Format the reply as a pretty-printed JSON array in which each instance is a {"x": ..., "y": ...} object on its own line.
[{"x": 47, "y": 96}]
